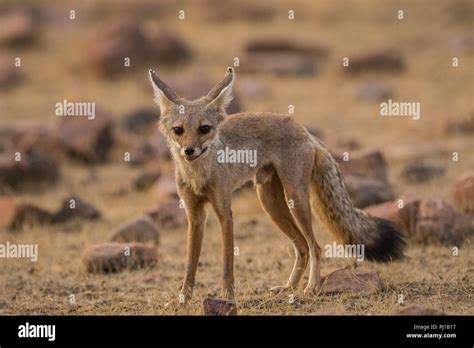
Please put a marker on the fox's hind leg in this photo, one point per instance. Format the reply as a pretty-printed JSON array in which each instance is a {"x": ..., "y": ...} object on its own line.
[
  {"x": 296, "y": 187},
  {"x": 272, "y": 199}
]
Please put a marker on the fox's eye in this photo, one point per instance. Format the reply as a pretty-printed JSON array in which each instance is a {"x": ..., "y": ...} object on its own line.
[
  {"x": 204, "y": 129},
  {"x": 178, "y": 130}
]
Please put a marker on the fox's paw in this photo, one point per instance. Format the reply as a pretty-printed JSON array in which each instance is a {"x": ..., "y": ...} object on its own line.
[{"x": 180, "y": 301}]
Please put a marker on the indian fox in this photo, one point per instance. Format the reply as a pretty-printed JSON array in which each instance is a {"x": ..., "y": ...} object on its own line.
[{"x": 291, "y": 165}]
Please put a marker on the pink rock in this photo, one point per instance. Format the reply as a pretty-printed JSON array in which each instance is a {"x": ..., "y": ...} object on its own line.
[
  {"x": 348, "y": 281},
  {"x": 116, "y": 257},
  {"x": 219, "y": 307}
]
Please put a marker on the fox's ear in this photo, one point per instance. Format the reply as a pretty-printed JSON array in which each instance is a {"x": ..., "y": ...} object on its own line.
[
  {"x": 165, "y": 97},
  {"x": 221, "y": 94}
]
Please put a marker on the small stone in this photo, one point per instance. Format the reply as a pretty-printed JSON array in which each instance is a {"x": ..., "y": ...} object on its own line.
[
  {"x": 435, "y": 221},
  {"x": 463, "y": 193},
  {"x": 16, "y": 213},
  {"x": 379, "y": 61},
  {"x": 147, "y": 178},
  {"x": 371, "y": 164},
  {"x": 18, "y": 27},
  {"x": 168, "y": 214},
  {"x": 348, "y": 281},
  {"x": 140, "y": 121},
  {"x": 88, "y": 140},
  {"x": 365, "y": 192},
  {"x": 419, "y": 172},
  {"x": 76, "y": 208},
  {"x": 463, "y": 125},
  {"x": 143, "y": 42},
  {"x": 282, "y": 57},
  {"x": 219, "y": 307},
  {"x": 116, "y": 257},
  {"x": 10, "y": 75},
  {"x": 141, "y": 229}
]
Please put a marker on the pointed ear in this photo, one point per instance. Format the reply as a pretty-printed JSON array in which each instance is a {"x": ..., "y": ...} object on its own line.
[
  {"x": 165, "y": 97},
  {"x": 221, "y": 94}
]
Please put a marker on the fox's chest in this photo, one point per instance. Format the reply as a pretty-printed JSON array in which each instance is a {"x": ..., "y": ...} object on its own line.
[{"x": 195, "y": 177}]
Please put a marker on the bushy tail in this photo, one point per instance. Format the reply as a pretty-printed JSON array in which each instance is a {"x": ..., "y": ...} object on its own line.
[{"x": 382, "y": 239}]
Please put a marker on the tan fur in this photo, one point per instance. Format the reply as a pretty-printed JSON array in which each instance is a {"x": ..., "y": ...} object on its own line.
[{"x": 292, "y": 167}]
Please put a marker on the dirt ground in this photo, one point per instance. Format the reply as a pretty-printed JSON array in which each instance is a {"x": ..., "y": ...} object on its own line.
[{"x": 429, "y": 275}]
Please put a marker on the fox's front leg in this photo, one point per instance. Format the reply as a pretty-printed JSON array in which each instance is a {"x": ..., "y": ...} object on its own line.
[
  {"x": 221, "y": 202},
  {"x": 196, "y": 216}
]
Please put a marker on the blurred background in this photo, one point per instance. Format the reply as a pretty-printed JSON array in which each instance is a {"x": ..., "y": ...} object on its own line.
[{"x": 289, "y": 56}]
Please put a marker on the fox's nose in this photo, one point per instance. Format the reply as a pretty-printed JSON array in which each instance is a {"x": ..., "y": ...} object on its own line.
[{"x": 189, "y": 151}]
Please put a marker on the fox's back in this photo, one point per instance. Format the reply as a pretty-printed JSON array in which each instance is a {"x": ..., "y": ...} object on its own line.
[{"x": 263, "y": 130}]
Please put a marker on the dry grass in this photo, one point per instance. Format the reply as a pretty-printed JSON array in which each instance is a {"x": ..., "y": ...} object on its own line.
[{"x": 429, "y": 276}]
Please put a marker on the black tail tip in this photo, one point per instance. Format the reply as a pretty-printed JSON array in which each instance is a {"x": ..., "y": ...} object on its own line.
[{"x": 389, "y": 244}]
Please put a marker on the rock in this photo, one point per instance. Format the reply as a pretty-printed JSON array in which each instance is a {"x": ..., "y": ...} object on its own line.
[
  {"x": 422, "y": 171},
  {"x": 116, "y": 257},
  {"x": 76, "y": 208},
  {"x": 392, "y": 210},
  {"x": 379, "y": 61},
  {"x": 136, "y": 9},
  {"x": 426, "y": 221},
  {"x": 282, "y": 45},
  {"x": 239, "y": 10},
  {"x": 437, "y": 222},
  {"x": 17, "y": 214},
  {"x": 168, "y": 214},
  {"x": 280, "y": 64},
  {"x": 415, "y": 151},
  {"x": 10, "y": 75},
  {"x": 354, "y": 282},
  {"x": 365, "y": 191},
  {"x": 141, "y": 120},
  {"x": 33, "y": 171},
  {"x": 371, "y": 165},
  {"x": 141, "y": 42},
  {"x": 154, "y": 148},
  {"x": 19, "y": 27},
  {"x": 88, "y": 140},
  {"x": 141, "y": 229},
  {"x": 419, "y": 310},
  {"x": 282, "y": 57},
  {"x": 460, "y": 125},
  {"x": 28, "y": 139},
  {"x": 219, "y": 307},
  {"x": 374, "y": 91},
  {"x": 147, "y": 178},
  {"x": 463, "y": 193}
]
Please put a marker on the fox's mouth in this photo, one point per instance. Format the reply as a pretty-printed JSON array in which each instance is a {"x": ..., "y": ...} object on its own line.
[{"x": 193, "y": 157}]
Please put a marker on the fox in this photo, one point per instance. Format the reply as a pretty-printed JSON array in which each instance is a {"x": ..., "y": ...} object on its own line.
[{"x": 291, "y": 166}]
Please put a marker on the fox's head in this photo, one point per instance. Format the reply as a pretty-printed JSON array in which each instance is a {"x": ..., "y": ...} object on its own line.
[{"x": 191, "y": 126}]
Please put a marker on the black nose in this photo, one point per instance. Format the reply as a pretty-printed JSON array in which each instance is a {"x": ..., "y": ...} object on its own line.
[{"x": 189, "y": 151}]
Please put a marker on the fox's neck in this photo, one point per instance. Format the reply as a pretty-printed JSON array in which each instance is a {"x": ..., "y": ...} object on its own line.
[{"x": 196, "y": 174}]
